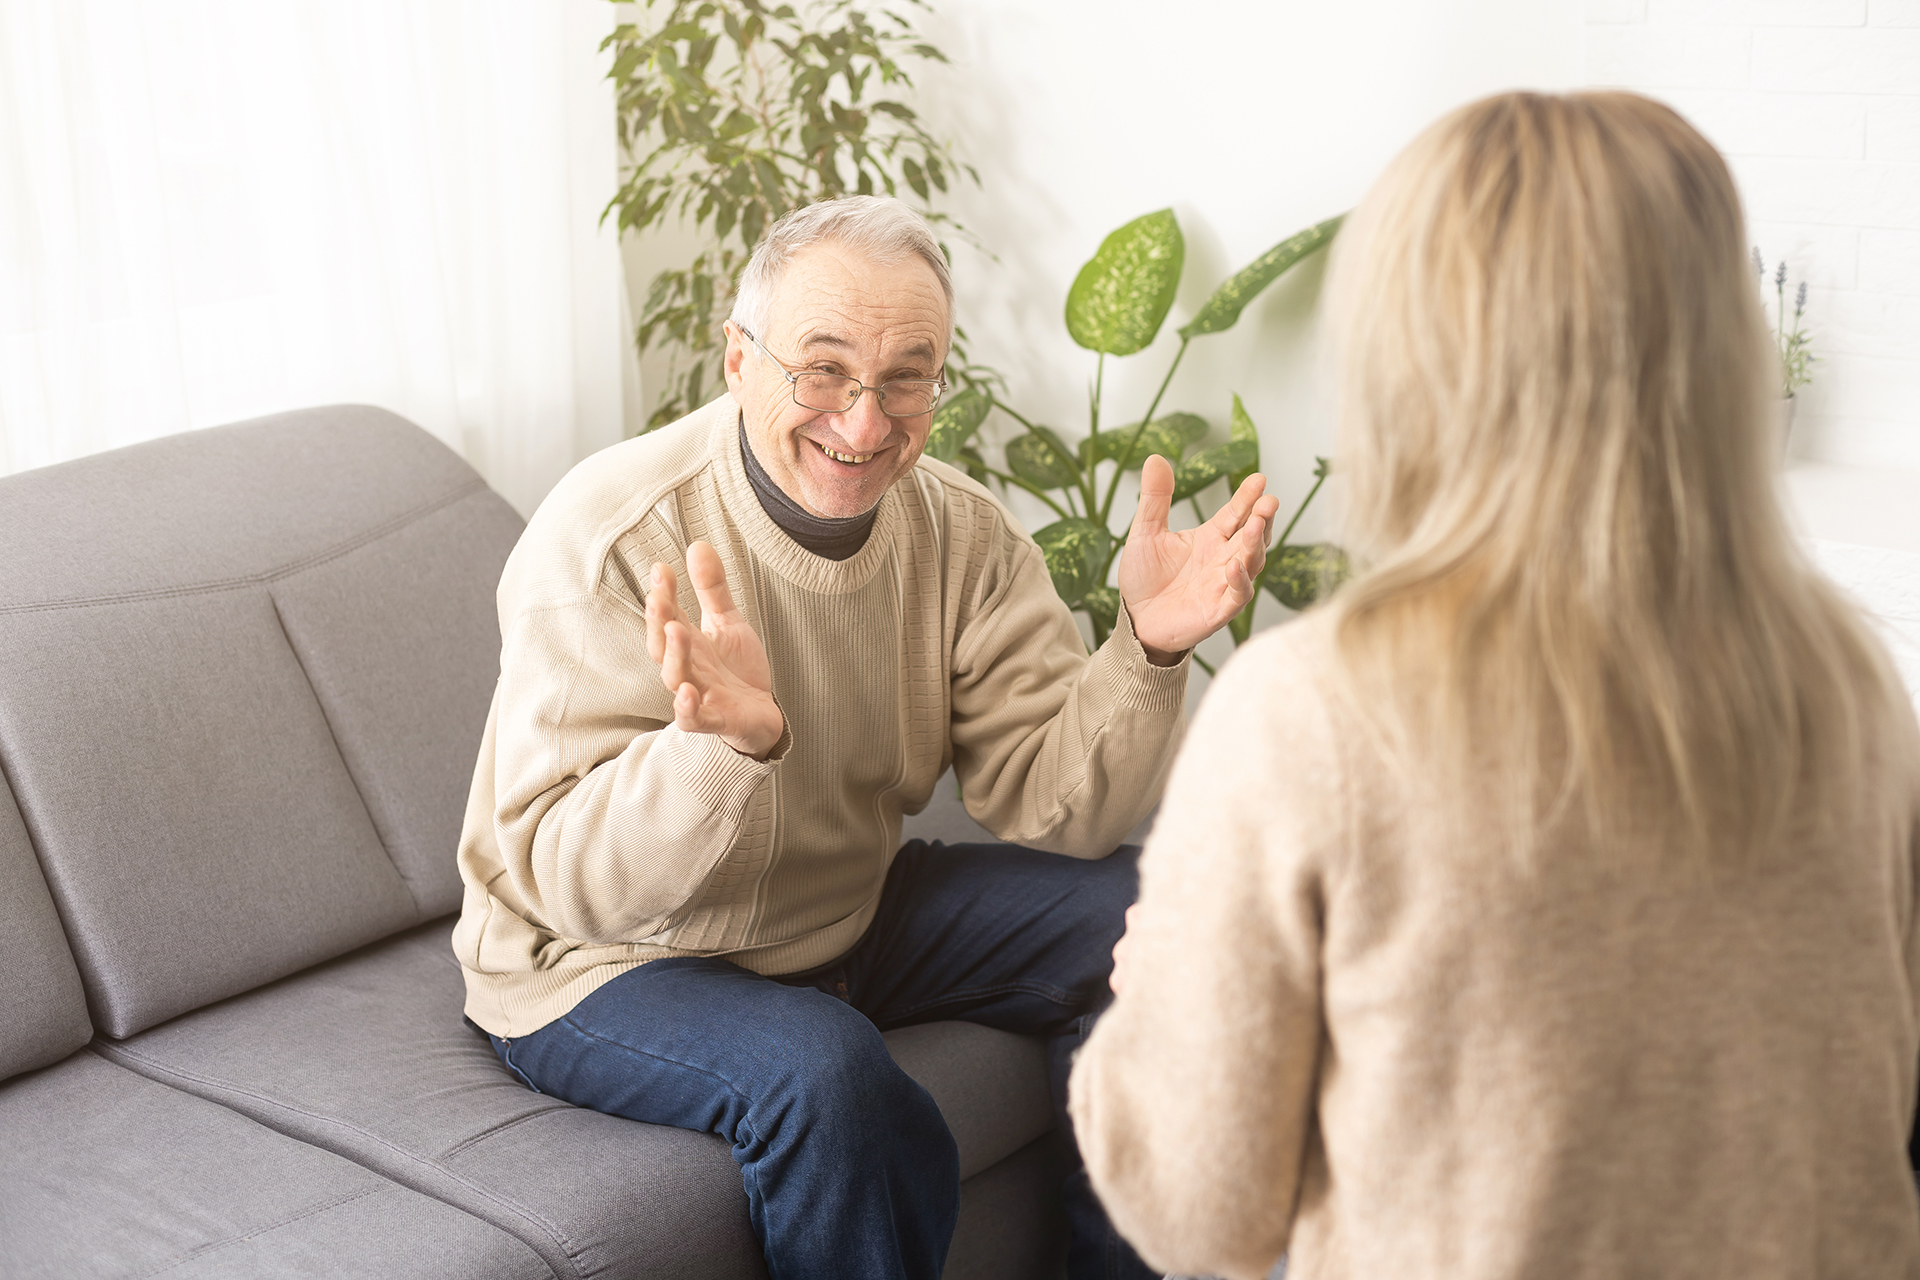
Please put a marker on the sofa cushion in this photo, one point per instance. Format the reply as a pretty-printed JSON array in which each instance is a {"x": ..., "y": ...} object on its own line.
[
  {"x": 43, "y": 1012},
  {"x": 189, "y": 635},
  {"x": 104, "y": 1173},
  {"x": 401, "y": 641},
  {"x": 367, "y": 1056},
  {"x": 198, "y": 829},
  {"x": 227, "y": 504}
]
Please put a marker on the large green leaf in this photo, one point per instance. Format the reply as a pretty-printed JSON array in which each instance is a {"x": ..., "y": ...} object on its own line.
[
  {"x": 1243, "y": 429},
  {"x": 1076, "y": 551},
  {"x": 1042, "y": 459},
  {"x": 1297, "y": 576},
  {"x": 1121, "y": 296},
  {"x": 1168, "y": 436},
  {"x": 1103, "y": 606},
  {"x": 1203, "y": 468},
  {"x": 1222, "y": 310},
  {"x": 954, "y": 423}
]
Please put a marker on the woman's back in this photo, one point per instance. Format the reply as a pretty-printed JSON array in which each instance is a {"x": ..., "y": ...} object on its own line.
[
  {"x": 1544, "y": 905},
  {"x": 1469, "y": 1066}
]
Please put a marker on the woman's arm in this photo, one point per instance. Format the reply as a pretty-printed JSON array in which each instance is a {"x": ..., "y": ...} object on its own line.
[{"x": 1193, "y": 1100}]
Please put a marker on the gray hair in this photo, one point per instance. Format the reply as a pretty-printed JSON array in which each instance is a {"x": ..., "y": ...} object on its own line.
[{"x": 878, "y": 228}]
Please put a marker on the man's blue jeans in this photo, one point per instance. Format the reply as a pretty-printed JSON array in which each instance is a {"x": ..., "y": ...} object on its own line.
[{"x": 849, "y": 1169}]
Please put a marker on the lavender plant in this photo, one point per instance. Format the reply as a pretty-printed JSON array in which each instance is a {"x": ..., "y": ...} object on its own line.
[{"x": 1790, "y": 339}]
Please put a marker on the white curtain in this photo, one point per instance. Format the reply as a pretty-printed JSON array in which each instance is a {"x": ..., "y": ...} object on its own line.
[{"x": 216, "y": 209}]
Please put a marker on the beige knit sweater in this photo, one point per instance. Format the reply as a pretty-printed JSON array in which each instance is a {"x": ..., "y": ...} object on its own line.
[
  {"x": 1346, "y": 1036},
  {"x": 599, "y": 835}
]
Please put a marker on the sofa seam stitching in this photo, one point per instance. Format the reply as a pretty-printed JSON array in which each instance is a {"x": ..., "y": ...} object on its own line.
[
  {"x": 214, "y": 1246},
  {"x": 346, "y": 766},
  {"x": 494, "y": 1132},
  {"x": 318, "y": 558},
  {"x": 552, "y": 1230}
]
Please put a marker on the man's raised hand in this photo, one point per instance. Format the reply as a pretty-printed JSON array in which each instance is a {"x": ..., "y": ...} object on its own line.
[
  {"x": 1181, "y": 587},
  {"x": 718, "y": 672}
]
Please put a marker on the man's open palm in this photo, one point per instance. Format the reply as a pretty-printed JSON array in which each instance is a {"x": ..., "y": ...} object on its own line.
[
  {"x": 718, "y": 672},
  {"x": 1181, "y": 587}
]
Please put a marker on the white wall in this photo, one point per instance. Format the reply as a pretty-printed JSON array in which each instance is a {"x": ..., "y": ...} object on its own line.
[
  {"x": 1817, "y": 105},
  {"x": 1250, "y": 120}
]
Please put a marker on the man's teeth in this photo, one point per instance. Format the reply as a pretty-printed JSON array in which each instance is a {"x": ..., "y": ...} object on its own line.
[{"x": 845, "y": 457}]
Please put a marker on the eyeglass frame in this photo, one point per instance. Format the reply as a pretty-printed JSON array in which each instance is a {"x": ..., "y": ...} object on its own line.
[{"x": 940, "y": 385}]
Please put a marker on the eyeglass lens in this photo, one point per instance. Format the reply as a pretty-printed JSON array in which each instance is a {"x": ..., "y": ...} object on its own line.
[{"x": 835, "y": 393}]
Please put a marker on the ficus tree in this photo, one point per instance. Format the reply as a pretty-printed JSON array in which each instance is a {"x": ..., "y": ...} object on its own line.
[{"x": 731, "y": 113}]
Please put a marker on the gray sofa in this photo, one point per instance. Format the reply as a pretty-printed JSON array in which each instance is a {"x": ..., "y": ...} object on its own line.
[{"x": 243, "y": 674}]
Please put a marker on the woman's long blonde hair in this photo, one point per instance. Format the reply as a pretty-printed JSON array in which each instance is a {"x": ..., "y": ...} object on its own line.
[{"x": 1580, "y": 602}]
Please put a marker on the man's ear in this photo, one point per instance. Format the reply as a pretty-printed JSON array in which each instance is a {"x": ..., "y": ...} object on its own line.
[{"x": 736, "y": 354}]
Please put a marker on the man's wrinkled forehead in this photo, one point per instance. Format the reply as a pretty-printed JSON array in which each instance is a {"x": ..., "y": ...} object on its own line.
[
  {"x": 828, "y": 338},
  {"x": 831, "y": 298}
]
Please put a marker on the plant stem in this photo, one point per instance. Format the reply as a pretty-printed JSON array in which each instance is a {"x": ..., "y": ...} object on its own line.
[
  {"x": 1133, "y": 441},
  {"x": 1204, "y": 664},
  {"x": 1035, "y": 490},
  {"x": 1298, "y": 511},
  {"x": 1010, "y": 411},
  {"x": 1780, "y": 320},
  {"x": 1198, "y": 514},
  {"x": 1087, "y": 484}
]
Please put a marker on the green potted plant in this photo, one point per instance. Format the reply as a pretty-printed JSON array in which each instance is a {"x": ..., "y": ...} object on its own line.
[
  {"x": 733, "y": 112},
  {"x": 1116, "y": 307}
]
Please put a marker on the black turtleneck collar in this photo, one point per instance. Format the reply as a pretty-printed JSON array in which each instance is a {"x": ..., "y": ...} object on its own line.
[{"x": 836, "y": 539}]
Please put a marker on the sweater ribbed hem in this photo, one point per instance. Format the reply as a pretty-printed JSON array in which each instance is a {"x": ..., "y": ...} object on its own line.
[{"x": 511, "y": 1005}]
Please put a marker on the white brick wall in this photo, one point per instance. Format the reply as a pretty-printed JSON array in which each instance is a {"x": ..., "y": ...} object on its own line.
[
  {"x": 1816, "y": 104},
  {"x": 1886, "y": 584}
]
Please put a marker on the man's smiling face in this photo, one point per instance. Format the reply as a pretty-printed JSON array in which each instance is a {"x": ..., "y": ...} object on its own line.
[{"x": 834, "y": 311}]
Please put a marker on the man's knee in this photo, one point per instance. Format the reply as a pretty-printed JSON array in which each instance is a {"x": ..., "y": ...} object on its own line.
[
  {"x": 844, "y": 1089},
  {"x": 1107, "y": 887}
]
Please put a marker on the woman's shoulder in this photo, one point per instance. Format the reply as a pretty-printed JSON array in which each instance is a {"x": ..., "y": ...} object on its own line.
[
  {"x": 1275, "y": 712},
  {"x": 1289, "y": 672}
]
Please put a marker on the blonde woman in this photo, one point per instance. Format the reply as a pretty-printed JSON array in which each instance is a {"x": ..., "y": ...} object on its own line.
[{"x": 1543, "y": 906}]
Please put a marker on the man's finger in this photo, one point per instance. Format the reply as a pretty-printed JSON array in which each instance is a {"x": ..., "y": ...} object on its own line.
[
  {"x": 686, "y": 708},
  {"x": 1239, "y": 587},
  {"x": 1156, "y": 499},
  {"x": 663, "y": 606},
  {"x": 1230, "y": 517},
  {"x": 709, "y": 581},
  {"x": 1250, "y": 545}
]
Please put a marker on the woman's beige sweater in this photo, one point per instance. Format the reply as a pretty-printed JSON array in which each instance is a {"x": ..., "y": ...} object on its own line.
[
  {"x": 599, "y": 836},
  {"x": 1345, "y": 1036}
]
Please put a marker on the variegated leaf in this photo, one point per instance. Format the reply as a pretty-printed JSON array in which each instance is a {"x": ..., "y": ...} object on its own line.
[
  {"x": 1222, "y": 310},
  {"x": 1076, "y": 551},
  {"x": 1042, "y": 459},
  {"x": 954, "y": 423},
  {"x": 1298, "y": 576},
  {"x": 1121, "y": 297}
]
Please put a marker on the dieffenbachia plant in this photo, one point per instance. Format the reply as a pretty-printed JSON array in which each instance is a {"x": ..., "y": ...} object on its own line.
[{"x": 1115, "y": 308}]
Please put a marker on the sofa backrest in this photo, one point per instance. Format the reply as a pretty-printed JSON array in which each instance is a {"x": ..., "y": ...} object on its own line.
[
  {"x": 243, "y": 677},
  {"x": 43, "y": 1012}
]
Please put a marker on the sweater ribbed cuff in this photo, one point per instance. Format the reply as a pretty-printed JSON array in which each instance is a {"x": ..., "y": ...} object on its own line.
[
  {"x": 1136, "y": 682},
  {"x": 721, "y": 778}
]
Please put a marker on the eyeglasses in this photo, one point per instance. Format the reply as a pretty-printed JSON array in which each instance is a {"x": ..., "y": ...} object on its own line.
[{"x": 837, "y": 393}]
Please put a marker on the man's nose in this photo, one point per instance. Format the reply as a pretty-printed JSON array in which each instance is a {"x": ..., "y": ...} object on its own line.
[{"x": 863, "y": 426}]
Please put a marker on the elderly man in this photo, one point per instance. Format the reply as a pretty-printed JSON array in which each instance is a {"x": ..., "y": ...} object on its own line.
[{"x": 684, "y": 901}]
